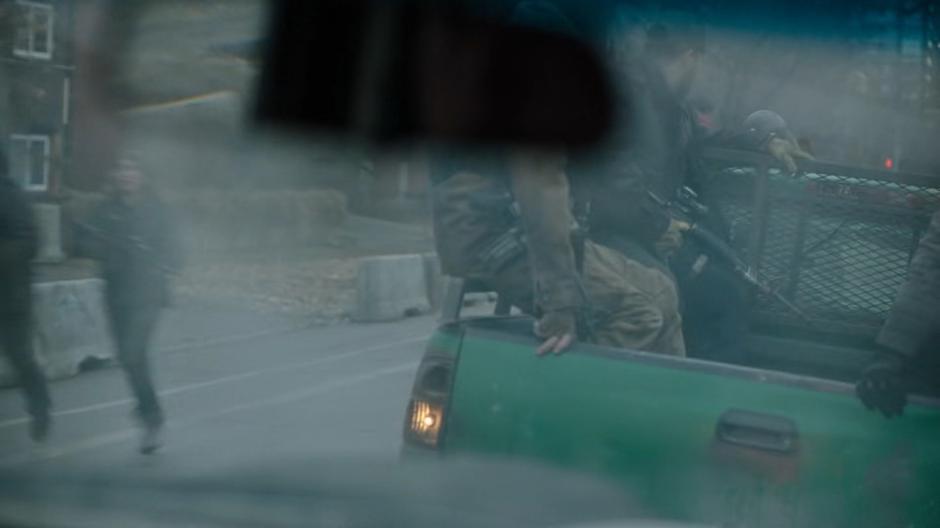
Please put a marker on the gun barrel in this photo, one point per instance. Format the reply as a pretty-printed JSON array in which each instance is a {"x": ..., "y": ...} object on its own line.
[
  {"x": 716, "y": 245},
  {"x": 721, "y": 249},
  {"x": 793, "y": 308}
]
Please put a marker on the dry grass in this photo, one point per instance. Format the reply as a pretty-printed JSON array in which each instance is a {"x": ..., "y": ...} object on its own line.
[
  {"x": 320, "y": 289},
  {"x": 251, "y": 248},
  {"x": 220, "y": 220}
]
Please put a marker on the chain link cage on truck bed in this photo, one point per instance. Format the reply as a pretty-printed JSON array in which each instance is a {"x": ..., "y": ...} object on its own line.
[{"x": 833, "y": 239}]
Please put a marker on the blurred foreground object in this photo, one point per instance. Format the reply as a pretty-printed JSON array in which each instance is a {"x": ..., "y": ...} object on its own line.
[
  {"x": 394, "y": 71},
  {"x": 18, "y": 245},
  {"x": 361, "y": 492}
]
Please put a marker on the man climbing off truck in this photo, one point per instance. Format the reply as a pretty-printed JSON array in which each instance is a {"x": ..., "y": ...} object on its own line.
[{"x": 507, "y": 220}]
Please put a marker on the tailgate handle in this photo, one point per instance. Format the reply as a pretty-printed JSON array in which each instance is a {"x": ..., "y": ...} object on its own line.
[{"x": 758, "y": 431}]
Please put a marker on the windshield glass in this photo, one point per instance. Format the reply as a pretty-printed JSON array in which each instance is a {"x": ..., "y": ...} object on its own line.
[{"x": 683, "y": 259}]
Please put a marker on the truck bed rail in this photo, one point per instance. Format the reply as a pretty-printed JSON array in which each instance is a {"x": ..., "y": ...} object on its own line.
[{"x": 836, "y": 240}]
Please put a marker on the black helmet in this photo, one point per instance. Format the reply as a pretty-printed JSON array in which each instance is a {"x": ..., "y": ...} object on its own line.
[{"x": 764, "y": 125}]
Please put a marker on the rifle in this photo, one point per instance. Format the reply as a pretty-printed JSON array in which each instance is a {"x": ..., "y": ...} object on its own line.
[{"x": 688, "y": 208}]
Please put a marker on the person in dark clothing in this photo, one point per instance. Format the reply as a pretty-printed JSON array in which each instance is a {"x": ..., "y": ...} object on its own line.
[
  {"x": 714, "y": 298},
  {"x": 17, "y": 248},
  {"x": 132, "y": 235},
  {"x": 659, "y": 153},
  {"x": 910, "y": 338}
]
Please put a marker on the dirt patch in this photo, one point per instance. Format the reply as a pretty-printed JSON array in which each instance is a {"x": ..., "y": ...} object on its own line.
[
  {"x": 316, "y": 282},
  {"x": 320, "y": 290},
  {"x": 214, "y": 220}
]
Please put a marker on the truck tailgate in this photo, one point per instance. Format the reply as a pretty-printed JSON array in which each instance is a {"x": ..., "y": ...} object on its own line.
[{"x": 697, "y": 440}]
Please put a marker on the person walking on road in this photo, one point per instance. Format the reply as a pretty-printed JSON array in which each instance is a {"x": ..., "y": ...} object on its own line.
[
  {"x": 132, "y": 235},
  {"x": 17, "y": 248}
]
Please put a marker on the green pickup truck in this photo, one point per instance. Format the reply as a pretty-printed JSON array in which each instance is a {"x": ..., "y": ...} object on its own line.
[{"x": 779, "y": 441}]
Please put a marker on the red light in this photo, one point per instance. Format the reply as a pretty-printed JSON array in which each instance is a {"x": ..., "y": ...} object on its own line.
[{"x": 889, "y": 163}]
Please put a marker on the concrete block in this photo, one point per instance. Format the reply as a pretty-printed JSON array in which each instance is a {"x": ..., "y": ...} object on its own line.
[
  {"x": 70, "y": 327},
  {"x": 391, "y": 287},
  {"x": 49, "y": 225},
  {"x": 478, "y": 298},
  {"x": 71, "y": 324}
]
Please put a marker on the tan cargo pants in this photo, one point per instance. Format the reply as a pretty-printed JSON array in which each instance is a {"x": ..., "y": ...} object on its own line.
[
  {"x": 633, "y": 306},
  {"x": 637, "y": 306}
]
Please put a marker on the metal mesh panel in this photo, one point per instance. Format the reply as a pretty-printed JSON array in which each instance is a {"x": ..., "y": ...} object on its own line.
[{"x": 835, "y": 240}]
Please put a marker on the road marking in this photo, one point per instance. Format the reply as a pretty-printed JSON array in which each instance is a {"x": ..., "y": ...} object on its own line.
[
  {"x": 42, "y": 453},
  {"x": 298, "y": 395},
  {"x": 48, "y": 453},
  {"x": 223, "y": 380},
  {"x": 209, "y": 343}
]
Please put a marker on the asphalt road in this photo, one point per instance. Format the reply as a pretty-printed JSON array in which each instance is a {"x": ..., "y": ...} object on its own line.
[{"x": 324, "y": 392}]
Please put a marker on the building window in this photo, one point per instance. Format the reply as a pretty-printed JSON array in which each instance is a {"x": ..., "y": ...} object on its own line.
[
  {"x": 34, "y": 27},
  {"x": 29, "y": 161}
]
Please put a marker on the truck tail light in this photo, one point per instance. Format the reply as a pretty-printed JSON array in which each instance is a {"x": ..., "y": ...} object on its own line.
[
  {"x": 425, "y": 421},
  {"x": 426, "y": 415}
]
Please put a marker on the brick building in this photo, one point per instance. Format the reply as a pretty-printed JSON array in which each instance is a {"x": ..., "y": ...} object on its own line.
[{"x": 36, "y": 90}]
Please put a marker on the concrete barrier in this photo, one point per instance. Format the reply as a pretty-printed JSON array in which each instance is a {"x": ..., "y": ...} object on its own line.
[
  {"x": 390, "y": 287},
  {"x": 70, "y": 327}
]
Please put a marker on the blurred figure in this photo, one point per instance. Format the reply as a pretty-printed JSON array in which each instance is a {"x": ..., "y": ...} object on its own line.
[
  {"x": 861, "y": 126},
  {"x": 17, "y": 247},
  {"x": 657, "y": 153},
  {"x": 648, "y": 153},
  {"x": 910, "y": 336},
  {"x": 132, "y": 235},
  {"x": 767, "y": 130},
  {"x": 715, "y": 305},
  {"x": 705, "y": 116},
  {"x": 621, "y": 301}
]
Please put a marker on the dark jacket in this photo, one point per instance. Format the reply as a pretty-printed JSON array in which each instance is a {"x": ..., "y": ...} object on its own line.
[
  {"x": 471, "y": 206},
  {"x": 138, "y": 247},
  {"x": 650, "y": 155},
  {"x": 659, "y": 152},
  {"x": 914, "y": 322},
  {"x": 491, "y": 211},
  {"x": 18, "y": 245}
]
